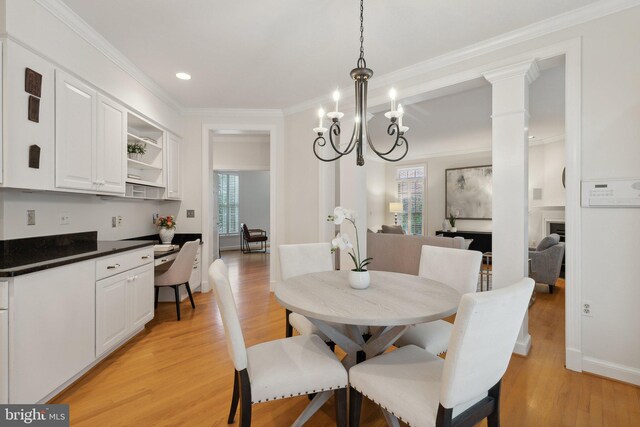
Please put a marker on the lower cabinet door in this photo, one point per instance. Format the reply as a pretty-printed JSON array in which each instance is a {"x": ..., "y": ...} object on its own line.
[
  {"x": 140, "y": 296},
  {"x": 112, "y": 323}
]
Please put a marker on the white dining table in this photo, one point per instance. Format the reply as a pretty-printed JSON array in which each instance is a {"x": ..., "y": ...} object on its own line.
[{"x": 391, "y": 303}]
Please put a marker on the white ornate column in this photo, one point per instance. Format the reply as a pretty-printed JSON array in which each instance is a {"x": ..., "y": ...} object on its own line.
[{"x": 510, "y": 149}]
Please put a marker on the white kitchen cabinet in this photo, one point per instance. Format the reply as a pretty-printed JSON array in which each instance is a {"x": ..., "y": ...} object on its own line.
[
  {"x": 124, "y": 301},
  {"x": 111, "y": 161},
  {"x": 112, "y": 324},
  {"x": 51, "y": 329},
  {"x": 20, "y": 132},
  {"x": 141, "y": 297},
  {"x": 75, "y": 133},
  {"x": 174, "y": 179}
]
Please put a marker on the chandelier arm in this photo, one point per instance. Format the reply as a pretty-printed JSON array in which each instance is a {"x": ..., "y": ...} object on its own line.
[
  {"x": 335, "y": 130},
  {"x": 320, "y": 141},
  {"x": 400, "y": 141}
]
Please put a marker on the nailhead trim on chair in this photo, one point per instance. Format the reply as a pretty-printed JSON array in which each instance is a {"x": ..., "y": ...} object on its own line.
[
  {"x": 383, "y": 407},
  {"x": 300, "y": 394}
]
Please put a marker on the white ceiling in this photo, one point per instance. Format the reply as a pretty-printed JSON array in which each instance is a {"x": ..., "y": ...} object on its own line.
[
  {"x": 278, "y": 53},
  {"x": 461, "y": 122}
]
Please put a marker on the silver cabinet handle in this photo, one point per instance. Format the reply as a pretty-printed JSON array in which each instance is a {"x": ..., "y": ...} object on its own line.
[
  {"x": 111, "y": 267},
  {"x": 164, "y": 260},
  {"x": 146, "y": 257}
]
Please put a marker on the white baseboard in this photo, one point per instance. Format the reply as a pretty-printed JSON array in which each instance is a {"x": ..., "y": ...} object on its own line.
[
  {"x": 523, "y": 346},
  {"x": 573, "y": 359},
  {"x": 611, "y": 370}
]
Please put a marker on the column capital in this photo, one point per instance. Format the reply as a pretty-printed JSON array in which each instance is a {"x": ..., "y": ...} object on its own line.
[{"x": 527, "y": 69}]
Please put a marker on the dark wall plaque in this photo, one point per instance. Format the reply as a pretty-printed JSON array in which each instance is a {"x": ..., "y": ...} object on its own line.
[
  {"x": 33, "y": 82},
  {"x": 34, "y": 109},
  {"x": 34, "y": 157}
]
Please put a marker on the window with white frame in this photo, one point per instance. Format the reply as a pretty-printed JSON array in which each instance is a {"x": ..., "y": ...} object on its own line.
[
  {"x": 228, "y": 200},
  {"x": 410, "y": 192}
]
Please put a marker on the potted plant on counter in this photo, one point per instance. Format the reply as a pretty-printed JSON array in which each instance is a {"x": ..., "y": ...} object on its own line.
[
  {"x": 452, "y": 221},
  {"x": 359, "y": 276},
  {"x": 167, "y": 226}
]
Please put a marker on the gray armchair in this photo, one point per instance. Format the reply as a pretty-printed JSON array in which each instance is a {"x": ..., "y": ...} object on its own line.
[{"x": 546, "y": 261}]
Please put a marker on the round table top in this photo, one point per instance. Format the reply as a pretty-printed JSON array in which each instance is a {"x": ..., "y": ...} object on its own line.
[{"x": 391, "y": 299}]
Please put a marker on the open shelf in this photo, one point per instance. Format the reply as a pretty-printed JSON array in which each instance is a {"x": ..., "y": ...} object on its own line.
[
  {"x": 137, "y": 164},
  {"x": 149, "y": 168},
  {"x": 141, "y": 191}
]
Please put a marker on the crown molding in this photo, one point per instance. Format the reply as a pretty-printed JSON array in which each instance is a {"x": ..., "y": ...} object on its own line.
[
  {"x": 68, "y": 17},
  {"x": 527, "y": 69},
  {"x": 550, "y": 25},
  {"x": 233, "y": 112}
]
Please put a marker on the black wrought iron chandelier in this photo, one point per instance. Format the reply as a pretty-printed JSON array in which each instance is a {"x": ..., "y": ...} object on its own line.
[{"x": 361, "y": 75}]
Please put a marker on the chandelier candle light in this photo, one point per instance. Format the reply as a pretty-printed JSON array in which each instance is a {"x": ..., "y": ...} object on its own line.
[{"x": 361, "y": 75}]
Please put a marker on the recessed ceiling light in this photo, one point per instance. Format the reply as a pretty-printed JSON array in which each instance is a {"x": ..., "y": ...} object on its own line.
[{"x": 183, "y": 76}]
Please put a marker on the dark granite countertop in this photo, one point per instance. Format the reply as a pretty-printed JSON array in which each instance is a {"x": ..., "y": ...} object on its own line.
[{"x": 89, "y": 250}]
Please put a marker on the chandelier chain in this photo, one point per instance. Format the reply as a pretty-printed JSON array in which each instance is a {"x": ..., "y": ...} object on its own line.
[{"x": 361, "y": 61}]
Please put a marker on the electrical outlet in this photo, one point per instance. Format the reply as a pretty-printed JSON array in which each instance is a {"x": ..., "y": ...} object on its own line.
[
  {"x": 31, "y": 217},
  {"x": 587, "y": 309},
  {"x": 114, "y": 222},
  {"x": 119, "y": 221},
  {"x": 191, "y": 213},
  {"x": 65, "y": 219},
  {"x": 154, "y": 218}
]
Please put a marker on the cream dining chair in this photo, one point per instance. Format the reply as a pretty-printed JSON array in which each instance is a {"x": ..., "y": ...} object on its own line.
[
  {"x": 457, "y": 268},
  {"x": 299, "y": 259},
  {"x": 179, "y": 273},
  {"x": 422, "y": 389},
  {"x": 276, "y": 369}
]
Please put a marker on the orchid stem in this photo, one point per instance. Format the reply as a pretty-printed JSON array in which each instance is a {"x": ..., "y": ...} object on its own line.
[{"x": 357, "y": 244}]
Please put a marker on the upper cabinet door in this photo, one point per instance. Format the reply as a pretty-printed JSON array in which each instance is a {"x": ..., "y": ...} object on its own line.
[
  {"x": 174, "y": 181},
  {"x": 111, "y": 162},
  {"x": 75, "y": 133}
]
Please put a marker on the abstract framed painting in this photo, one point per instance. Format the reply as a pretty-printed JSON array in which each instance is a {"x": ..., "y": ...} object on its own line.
[{"x": 468, "y": 193}]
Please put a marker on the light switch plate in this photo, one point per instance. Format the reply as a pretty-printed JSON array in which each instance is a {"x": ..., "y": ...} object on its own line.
[{"x": 31, "y": 217}]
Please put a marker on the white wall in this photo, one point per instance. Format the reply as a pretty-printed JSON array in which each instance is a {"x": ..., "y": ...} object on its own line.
[
  {"x": 86, "y": 213},
  {"x": 377, "y": 204},
  {"x": 546, "y": 162},
  {"x": 240, "y": 152},
  {"x": 253, "y": 206},
  {"x": 610, "y": 147}
]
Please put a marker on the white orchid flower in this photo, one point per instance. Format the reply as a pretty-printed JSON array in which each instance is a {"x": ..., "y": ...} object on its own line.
[
  {"x": 341, "y": 241},
  {"x": 340, "y": 214}
]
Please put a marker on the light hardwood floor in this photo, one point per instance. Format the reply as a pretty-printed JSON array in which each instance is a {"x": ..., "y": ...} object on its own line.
[{"x": 179, "y": 373}]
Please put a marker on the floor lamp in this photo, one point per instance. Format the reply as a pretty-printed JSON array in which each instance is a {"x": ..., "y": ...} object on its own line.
[{"x": 395, "y": 208}]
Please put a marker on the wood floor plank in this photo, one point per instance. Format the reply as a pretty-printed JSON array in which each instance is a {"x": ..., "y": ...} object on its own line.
[{"x": 179, "y": 373}]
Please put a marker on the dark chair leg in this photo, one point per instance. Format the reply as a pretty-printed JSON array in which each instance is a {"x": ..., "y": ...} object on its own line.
[
  {"x": 444, "y": 417},
  {"x": 193, "y": 304},
  {"x": 245, "y": 399},
  {"x": 341, "y": 407},
  {"x": 155, "y": 304},
  {"x": 361, "y": 356},
  {"x": 288, "y": 328},
  {"x": 332, "y": 346},
  {"x": 175, "y": 290},
  {"x": 551, "y": 287},
  {"x": 355, "y": 405},
  {"x": 234, "y": 398},
  {"x": 493, "y": 420}
]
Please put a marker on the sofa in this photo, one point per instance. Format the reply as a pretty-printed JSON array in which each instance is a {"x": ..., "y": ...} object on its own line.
[
  {"x": 401, "y": 253},
  {"x": 546, "y": 261}
]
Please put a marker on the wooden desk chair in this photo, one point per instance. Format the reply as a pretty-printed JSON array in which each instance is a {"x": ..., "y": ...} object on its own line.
[
  {"x": 179, "y": 273},
  {"x": 421, "y": 389}
]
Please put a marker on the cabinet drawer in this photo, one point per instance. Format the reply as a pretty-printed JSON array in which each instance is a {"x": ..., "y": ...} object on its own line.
[{"x": 109, "y": 266}]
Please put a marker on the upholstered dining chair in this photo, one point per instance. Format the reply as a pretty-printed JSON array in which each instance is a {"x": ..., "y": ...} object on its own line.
[
  {"x": 277, "y": 369},
  {"x": 457, "y": 268},
  {"x": 299, "y": 259},
  {"x": 179, "y": 273},
  {"x": 422, "y": 389}
]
